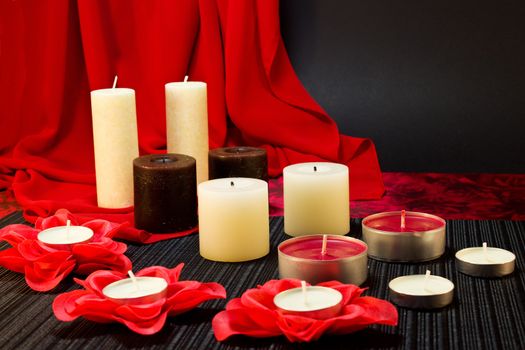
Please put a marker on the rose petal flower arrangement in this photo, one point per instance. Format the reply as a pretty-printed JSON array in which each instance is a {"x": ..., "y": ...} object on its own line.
[
  {"x": 254, "y": 314},
  {"x": 44, "y": 266},
  {"x": 143, "y": 318}
]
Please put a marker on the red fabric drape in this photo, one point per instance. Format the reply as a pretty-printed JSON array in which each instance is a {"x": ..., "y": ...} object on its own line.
[{"x": 53, "y": 53}]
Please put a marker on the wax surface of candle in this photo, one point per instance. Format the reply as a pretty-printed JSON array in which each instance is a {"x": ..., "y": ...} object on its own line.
[
  {"x": 116, "y": 145},
  {"x": 65, "y": 235},
  {"x": 421, "y": 285},
  {"x": 493, "y": 256},
  {"x": 335, "y": 249},
  {"x": 127, "y": 289},
  {"x": 414, "y": 222},
  {"x": 318, "y": 298}
]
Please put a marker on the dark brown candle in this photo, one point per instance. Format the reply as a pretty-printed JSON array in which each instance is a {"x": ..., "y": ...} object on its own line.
[
  {"x": 238, "y": 162},
  {"x": 165, "y": 192}
]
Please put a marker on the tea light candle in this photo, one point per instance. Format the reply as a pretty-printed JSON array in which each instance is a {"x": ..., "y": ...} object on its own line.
[
  {"x": 320, "y": 258},
  {"x": 233, "y": 219},
  {"x": 316, "y": 199},
  {"x": 485, "y": 261},
  {"x": 142, "y": 289},
  {"x": 238, "y": 162},
  {"x": 421, "y": 291},
  {"x": 187, "y": 122},
  {"x": 65, "y": 235},
  {"x": 116, "y": 144},
  {"x": 310, "y": 301},
  {"x": 404, "y": 236},
  {"x": 165, "y": 189}
]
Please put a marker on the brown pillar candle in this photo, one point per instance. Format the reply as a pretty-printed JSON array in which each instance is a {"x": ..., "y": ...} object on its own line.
[
  {"x": 238, "y": 162},
  {"x": 165, "y": 192}
]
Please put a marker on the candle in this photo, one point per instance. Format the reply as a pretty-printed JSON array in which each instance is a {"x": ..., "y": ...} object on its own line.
[
  {"x": 165, "y": 189},
  {"x": 116, "y": 145},
  {"x": 238, "y": 162},
  {"x": 316, "y": 199},
  {"x": 421, "y": 291},
  {"x": 320, "y": 258},
  {"x": 404, "y": 236},
  {"x": 65, "y": 236},
  {"x": 143, "y": 289},
  {"x": 187, "y": 122},
  {"x": 233, "y": 219},
  {"x": 310, "y": 301},
  {"x": 485, "y": 261}
]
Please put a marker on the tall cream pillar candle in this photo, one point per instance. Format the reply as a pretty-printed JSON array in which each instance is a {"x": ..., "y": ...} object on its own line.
[
  {"x": 233, "y": 219},
  {"x": 316, "y": 199},
  {"x": 116, "y": 145},
  {"x": 187, "y": 122}
]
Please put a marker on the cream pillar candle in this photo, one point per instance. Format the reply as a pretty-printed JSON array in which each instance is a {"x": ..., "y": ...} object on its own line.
[
  {"x": 316, "y": 199},
  {"x": 233, "y": 219},
  {"x": 116, "y": 145},
  {"x": 187, "y": 122}
]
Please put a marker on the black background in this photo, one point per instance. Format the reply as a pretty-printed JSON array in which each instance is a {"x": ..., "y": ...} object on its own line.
[{"x": 438, "y": 85}]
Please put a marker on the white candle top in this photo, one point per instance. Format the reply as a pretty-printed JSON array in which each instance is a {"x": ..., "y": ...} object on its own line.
[
  {"x": 485, "y": 255},
  {"x": 185, "y": 85},
  {"x": 233, "y": 185},
  {"x": 65, "y": 235},
  {"x": 113, "y": 92},
  {"x": 317, "y": 298},
  {"x": 135, "y": 287},
  {"x": 316, "y": 169},
  {"x": 421, "y": 285}
]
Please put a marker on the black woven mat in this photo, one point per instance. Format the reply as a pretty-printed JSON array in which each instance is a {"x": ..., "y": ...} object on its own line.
[{"x": 486, "y": 313}]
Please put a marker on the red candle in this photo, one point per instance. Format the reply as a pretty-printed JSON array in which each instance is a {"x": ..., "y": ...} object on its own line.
[{"x": 320, "y": 258}]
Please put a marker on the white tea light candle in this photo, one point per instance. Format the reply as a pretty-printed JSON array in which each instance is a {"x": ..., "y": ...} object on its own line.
[
  {"x": 316, "y": 199},
  {"x": 310, "y": 301},
  {"x": 485, "y": 261},
  {"x": 421, "y": 291},
  {"x": 187, "y": 122},
  {"x": 65, "y": 235},
  {"x": 116, "y": 145},
  {"x": 233, "y": 219},
  {"x": 136, "y": 289}
]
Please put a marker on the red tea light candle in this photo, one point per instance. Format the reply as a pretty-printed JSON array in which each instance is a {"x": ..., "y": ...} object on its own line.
[
  {"x": 65, "y": 236},
  {"x": 238, "y": 162},
  {"x": 485, "y": 261},
  {"x": 320, "y": 258},
  {"x": 404, "y": 236},
  {"x": 421, "y": 291},
  {"x": 136, "y": 290},
  {"x": 310, "y": 301}
]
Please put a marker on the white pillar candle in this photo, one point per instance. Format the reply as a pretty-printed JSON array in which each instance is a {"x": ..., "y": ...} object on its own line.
[
  {"x": 142, "y": 288},
  {"x": 187, "y": 122},
  {"x": 421, "y": 291},
  {"x": 485, "y": 261},
  {"x": 65, "y": 235},
  {"x": 316, "y": 199},
  {"x": 116, "y": 145},
  {"x": 310, "y": 301},
  {"x": 233, "y": 219}
]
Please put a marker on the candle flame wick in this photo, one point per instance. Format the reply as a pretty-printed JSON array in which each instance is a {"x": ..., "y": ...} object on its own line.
[
  {"x": 305, "y": 295},
  {"x": 486, "y": 252},
  {"x": 325, "y": 241},
  {"x": 315, "y": 168},
  {"x": 186, "y": 78},
  {"x": 427, "y": 278},
  {"x": 232, "y": 183},
  {"x": 403, "y": 219},
  {"x": 68, "y": 223},
  {"x": 134, "y": 280},
  {"x": 115, "y": 82}
]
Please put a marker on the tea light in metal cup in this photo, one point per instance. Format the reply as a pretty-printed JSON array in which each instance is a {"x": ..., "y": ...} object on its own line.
[
  {"x": 310, "y": 301},
  {"x": 485, "y": 261},
  {"x": 404, "y": 236},
  {"x": 321, "y": 258},
  {"x": 63, "y": 237},
  {"x": 421, "y": 291},
  {"x": 136, "y": 290}
]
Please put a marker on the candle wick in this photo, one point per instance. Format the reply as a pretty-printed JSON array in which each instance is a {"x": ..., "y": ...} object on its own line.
[
  {"x": 185, "y": 78},
  {"x": 115, "y": 81},
  {"x": 486, "y": 252},
  {"x": 427, "y": 278},
  {"x": 325, "y": 241},
  {"x": 163, "y": 160},
  {"x": 68, "y": 223},
  {"x": 134, "y": 280},
  {"x": 232, "y": 183},
  {"x": 315, "y": 168},
  {"x": 305, "y": 295},
  {"x": 403, "y": 219}
]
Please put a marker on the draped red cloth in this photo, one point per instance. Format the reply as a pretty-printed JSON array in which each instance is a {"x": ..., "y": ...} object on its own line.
[{"x": 53, "y": 53}]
